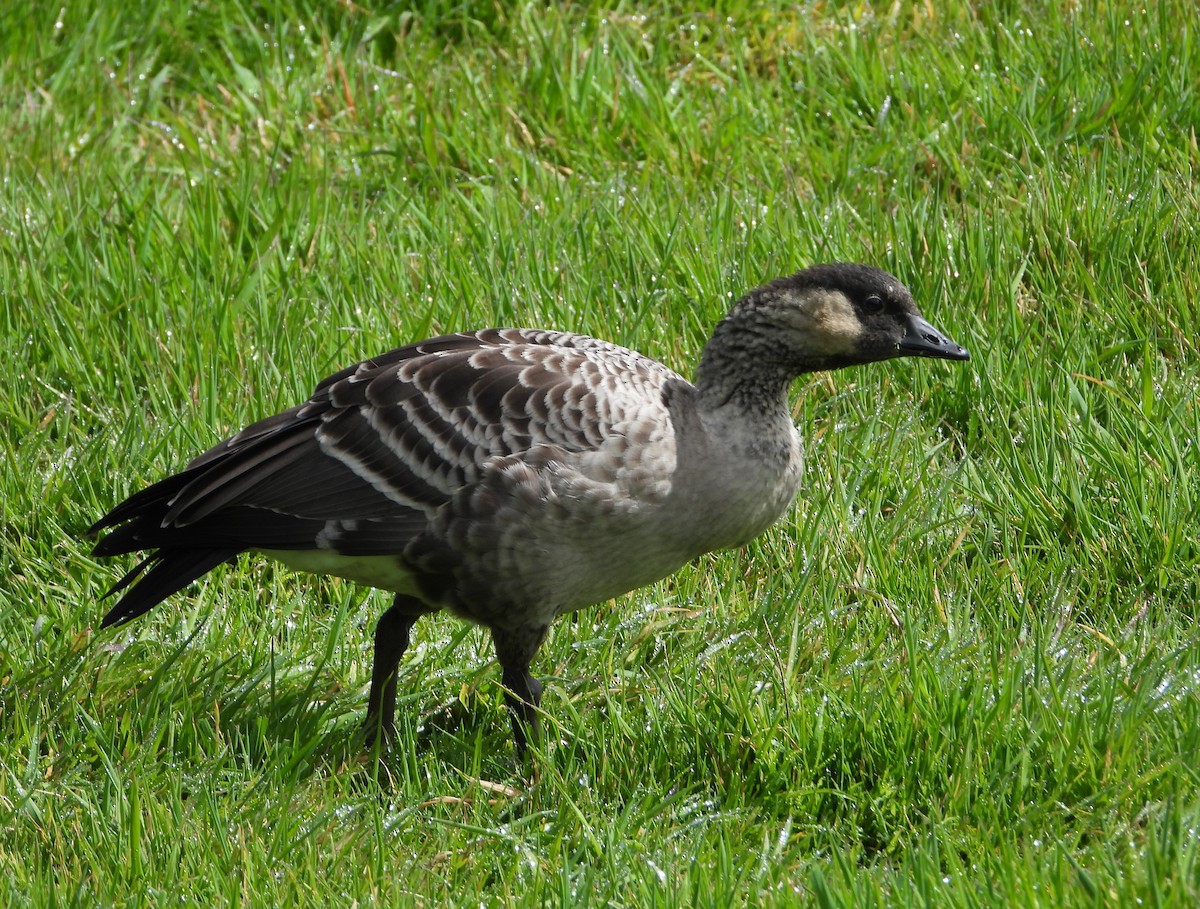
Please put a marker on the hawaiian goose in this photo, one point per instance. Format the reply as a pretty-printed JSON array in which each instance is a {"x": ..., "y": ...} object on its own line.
[{"x": 512, "y": 475}]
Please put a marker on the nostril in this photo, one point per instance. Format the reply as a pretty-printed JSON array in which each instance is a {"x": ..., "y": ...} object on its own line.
[{"x": 932, "y": 338}]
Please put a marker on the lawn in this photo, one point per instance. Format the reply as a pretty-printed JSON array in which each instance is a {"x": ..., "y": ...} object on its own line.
[{"x": 963, "y": 671}]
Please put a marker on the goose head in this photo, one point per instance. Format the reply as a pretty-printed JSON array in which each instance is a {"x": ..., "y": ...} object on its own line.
[{"x": 824, "y": 317}]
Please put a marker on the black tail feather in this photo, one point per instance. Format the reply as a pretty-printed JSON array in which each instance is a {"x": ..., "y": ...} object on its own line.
[{"x": 165, "y": 572}]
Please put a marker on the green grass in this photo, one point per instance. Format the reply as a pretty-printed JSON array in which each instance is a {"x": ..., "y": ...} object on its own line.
[{"x": 964, "y": 671}]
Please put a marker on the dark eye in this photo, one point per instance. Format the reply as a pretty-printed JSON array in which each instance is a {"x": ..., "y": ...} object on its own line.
[{"x": 873, "y": 304}]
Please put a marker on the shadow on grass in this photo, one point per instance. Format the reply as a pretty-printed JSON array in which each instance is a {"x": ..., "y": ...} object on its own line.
[{"x": 299, "y": 728}]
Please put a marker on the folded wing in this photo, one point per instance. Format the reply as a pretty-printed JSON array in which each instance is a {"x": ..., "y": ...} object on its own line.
[{"x": 362, "y": 466}]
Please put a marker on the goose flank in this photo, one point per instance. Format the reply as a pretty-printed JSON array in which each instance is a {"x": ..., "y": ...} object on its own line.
[{"x": 513, "y": 475}]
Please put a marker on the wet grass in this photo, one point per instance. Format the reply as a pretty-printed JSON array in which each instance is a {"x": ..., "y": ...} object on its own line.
[{"x": 964, "y": 671}]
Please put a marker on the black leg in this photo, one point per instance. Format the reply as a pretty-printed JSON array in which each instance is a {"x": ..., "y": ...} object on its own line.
[
  {"x": 515, "y": 649},
  {"x": 391, "y": 640}
]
